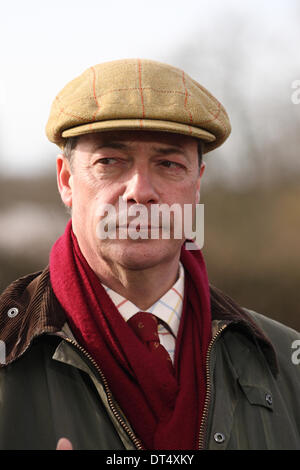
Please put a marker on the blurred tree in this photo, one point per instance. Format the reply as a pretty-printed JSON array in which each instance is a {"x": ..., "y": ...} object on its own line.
[{"x": 245, "y": 72}]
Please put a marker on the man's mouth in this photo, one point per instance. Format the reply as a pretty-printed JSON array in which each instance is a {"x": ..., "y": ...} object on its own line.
[{"x": 139, "y": 227}]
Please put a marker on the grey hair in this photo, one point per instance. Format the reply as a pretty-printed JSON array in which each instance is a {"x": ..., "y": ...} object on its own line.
[{"x": 70, "y": 145}]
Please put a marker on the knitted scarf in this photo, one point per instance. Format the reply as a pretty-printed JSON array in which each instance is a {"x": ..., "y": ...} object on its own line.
[{"x": 164, "y": 410}]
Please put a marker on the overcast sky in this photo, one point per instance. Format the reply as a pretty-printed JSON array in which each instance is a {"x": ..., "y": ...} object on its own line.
[{"x": 45, "y": 44}]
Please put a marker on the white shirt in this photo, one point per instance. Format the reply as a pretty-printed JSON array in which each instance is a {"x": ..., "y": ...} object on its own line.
[{"x": 168, "y": 309}]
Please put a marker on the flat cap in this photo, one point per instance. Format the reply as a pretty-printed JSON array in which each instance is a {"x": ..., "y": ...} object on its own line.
[{"x": 137, "y": 94}]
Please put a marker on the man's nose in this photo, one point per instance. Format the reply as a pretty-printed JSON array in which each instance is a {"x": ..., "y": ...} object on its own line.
[{"x": 140, "y": 189}]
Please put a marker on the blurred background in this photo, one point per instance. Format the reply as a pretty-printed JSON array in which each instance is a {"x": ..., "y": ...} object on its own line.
[{"x": 246, "y": 53}]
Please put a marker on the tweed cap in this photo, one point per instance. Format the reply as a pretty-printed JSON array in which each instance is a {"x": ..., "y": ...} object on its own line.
[{"x": 137, "y": 94}]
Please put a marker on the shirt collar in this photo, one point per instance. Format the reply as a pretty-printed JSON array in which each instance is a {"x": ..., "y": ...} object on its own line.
[{"x": 168, "y": 308}]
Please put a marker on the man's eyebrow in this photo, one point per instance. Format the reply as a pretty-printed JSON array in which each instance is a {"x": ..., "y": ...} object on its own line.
[
  {"x": 168, "y": 150},
  {"x": 171, "y": 150}
]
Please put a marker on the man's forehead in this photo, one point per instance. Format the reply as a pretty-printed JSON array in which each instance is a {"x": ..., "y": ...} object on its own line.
[{"x": 131, "y": 137}]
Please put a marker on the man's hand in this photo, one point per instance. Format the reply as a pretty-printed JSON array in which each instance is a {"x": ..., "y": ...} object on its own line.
[{"x": 64, "y": 444}]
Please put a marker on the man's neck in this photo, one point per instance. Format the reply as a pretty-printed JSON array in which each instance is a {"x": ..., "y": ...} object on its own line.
[{"x": 142, "y": 287}]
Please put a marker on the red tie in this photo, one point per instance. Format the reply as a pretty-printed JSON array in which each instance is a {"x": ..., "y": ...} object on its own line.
[{"x": 145, "y": 326}]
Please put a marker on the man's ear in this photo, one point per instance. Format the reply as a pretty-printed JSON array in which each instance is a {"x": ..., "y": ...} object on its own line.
[
  {"x": 64, "y": 179},
  {"x": 201, "y": 171}
]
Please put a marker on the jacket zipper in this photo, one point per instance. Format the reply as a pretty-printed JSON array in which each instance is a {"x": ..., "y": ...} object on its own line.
[
  {"x": 119, "y": 418},
  {"x": 201, "y": 442},
  {"x": 112, "y": 406}
]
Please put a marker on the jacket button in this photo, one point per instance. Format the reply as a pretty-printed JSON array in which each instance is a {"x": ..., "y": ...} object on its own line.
[
  {"x": 269, "y": 399},
  {"x": 219, "y": 437},
  {"x": 13, "y": 312}
]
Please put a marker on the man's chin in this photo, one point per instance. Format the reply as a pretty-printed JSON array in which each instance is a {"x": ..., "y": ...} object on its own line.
[{"x": 141, "y": 253}]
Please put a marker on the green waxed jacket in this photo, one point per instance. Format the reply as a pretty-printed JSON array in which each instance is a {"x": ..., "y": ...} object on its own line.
[{"x": 50, "y": 387}]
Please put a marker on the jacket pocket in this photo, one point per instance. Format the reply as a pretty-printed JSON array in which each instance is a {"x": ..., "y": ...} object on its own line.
[{"x": 257, "y": 395}]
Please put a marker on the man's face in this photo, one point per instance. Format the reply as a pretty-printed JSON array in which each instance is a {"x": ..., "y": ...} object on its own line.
[{"x": 141, "y": 167}]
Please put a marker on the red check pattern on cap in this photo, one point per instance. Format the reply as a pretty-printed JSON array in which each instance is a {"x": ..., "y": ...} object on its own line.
[{"x": 167, "y": 309}]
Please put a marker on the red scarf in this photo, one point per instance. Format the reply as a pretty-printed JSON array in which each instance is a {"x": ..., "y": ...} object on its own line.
[{"x": 164, "y": 411}]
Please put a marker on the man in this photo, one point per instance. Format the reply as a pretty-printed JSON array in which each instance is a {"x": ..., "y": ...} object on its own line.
[{"x": 121, "y": 342}]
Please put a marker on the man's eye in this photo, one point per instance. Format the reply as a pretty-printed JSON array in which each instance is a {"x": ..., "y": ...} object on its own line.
[
  {"x": 169, "y": 164},
  {"x": 106, "y": 161}
]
